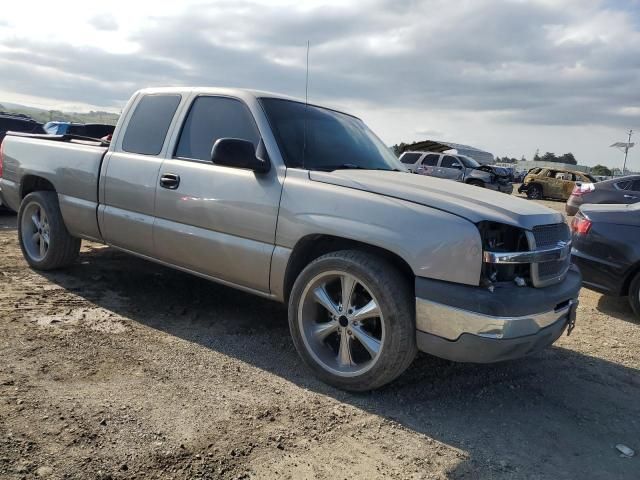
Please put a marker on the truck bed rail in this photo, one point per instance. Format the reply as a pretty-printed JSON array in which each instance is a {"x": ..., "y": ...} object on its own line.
[{"x": 67, "y": 137}]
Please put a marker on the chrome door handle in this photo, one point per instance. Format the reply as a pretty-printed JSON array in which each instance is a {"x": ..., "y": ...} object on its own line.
[{"x": 170, "y": 181}]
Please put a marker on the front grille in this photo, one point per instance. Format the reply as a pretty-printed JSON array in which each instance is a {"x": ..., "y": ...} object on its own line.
[
  {"x": 550, "y": 235},
  {"x": 545, "y": 236}
]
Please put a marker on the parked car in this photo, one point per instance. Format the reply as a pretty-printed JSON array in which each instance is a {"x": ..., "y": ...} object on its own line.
[
  {"x": 621, "y": 190},
  {"x": 606, "y": 247},
  {"x": 459, "y": 168},
  {"x": 552, "y": 183},
  {"x": 251, "y": 190},
  {"x": 92, "y": 130}
]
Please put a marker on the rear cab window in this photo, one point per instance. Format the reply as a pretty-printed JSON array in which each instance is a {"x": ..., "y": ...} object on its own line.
[
  {"x": 211, "y": 118},
  {"x": 147, "y": 129}
]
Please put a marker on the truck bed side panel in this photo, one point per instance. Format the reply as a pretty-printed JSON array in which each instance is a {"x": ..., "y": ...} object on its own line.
[{"x": 73, "y": 169}]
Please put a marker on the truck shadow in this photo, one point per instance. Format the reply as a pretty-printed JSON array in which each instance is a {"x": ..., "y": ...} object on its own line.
[
  {"x": 7, "y": 220},
  {"x": 558, "y": 413},
  {"x": 617, "y": 307}
]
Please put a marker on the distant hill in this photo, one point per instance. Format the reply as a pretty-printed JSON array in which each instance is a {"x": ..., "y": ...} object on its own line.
[{"x": 44, "y": 116}]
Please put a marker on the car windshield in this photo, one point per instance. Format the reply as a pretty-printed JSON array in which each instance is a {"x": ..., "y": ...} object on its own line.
[
  {"x": 469, "y": 162},
  {"x": 317, "y": 138}
]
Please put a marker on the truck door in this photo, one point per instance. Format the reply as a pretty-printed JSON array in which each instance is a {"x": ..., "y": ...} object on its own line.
[
  {"x": 211, "y": 219},
  {"x": 451, "y": 168},
  {"x": 130, "y": 174}
]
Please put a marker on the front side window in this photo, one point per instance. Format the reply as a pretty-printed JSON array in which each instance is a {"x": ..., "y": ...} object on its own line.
[
  {"x": 212, "y": 118},
  {"x": 449, "y": 162},
  {"x": 317, "y": 138},
  {"x": 149, "y": 124}
]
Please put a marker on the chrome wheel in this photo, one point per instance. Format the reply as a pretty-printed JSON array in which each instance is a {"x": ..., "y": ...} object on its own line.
[
  {"x": 36, "y": 232},
  {"x": 341, "y": 323}
]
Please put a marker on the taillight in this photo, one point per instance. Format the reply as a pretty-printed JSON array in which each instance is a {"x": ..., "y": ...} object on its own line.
[
  {"x": 582, "y": 188},
  {"x": 581, "y": 225}
]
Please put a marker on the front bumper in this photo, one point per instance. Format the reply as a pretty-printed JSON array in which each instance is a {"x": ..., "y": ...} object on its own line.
[
  {"x": 500, "y": 187},
  {"x": 472, "y": 324}
]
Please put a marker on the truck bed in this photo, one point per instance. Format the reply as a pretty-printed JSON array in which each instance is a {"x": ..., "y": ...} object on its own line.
[{"x": 70, "y": 164}]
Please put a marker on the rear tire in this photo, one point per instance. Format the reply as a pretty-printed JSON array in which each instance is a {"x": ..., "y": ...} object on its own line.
[
  {"x": 534, "y": 192},
  {"x": 370, "y": 340},
  {"x": 634, "y": 295},
  {"x": 44, "y": 239}
]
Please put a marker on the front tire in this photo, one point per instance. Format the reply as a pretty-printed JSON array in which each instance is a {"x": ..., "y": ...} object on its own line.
[
  {"x": 352, "y": 319},
  {"x": 634, "y": 295},
  {"x": 534, "y": 192},
  {"x": 44, "y": 239}
]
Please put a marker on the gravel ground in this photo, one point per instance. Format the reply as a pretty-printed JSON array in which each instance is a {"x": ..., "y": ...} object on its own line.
[{"x": 119, "y": 368}]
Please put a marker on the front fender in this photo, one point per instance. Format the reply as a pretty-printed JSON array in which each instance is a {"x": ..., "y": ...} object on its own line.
[{"x": 435, "y": 244}]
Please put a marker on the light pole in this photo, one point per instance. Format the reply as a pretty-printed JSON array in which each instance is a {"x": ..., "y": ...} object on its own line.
[{"x": 624, "y": 146}]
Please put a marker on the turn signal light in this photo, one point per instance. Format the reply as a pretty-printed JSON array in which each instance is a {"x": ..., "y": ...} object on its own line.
[{"x": 581, "y": 225}]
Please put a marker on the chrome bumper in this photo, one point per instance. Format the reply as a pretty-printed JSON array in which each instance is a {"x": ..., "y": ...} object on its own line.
[
  {"x": 559, "y": 252},
  {"x": 450, "y": 322}
]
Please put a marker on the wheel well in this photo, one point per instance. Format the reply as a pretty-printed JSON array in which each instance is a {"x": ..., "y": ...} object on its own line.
[
  {"x": 630, "y": 276},
  {"x": 33, "y": 183},
  {"x": 314, "y": 246}
]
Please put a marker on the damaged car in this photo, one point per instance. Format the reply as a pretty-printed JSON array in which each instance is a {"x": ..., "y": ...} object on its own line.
[{"x": 459, "y": 168}]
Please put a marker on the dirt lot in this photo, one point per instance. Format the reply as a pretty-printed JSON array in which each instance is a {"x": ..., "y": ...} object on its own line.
[{"x": 118, "y": 368}]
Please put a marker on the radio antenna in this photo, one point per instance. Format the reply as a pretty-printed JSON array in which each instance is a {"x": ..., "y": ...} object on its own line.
[{"x": 306, "y": 107}]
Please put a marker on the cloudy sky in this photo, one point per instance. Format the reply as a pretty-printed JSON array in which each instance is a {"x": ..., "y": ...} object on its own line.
[{"x": 507, "y": 76}]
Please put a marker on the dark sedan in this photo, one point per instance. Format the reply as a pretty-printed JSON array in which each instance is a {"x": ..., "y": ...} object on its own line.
[
  {"x": 617, "y": 190},
  {"x": 606, "y": 248}
]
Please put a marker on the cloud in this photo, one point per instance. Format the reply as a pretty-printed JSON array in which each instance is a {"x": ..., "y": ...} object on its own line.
[
  {"x": 105, "y": 22},
  {"x": 539, "y": 62}
]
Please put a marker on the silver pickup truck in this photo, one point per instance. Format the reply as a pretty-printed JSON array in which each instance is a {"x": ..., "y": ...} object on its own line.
[{"x": 304, "y": 205}]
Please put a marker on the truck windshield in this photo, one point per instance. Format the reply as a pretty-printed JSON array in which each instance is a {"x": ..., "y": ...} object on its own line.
[
  {"x": 469, "y": 162},
  {"x": 321, "y": 139}
]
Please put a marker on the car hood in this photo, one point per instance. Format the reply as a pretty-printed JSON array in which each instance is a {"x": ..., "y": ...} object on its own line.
[{"x": 473, "y": 203}]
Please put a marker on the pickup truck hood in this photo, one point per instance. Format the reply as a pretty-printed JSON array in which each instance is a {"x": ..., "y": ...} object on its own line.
[
  {"x": 498, "y": 171},
  {"x": 473, "y": 203}
]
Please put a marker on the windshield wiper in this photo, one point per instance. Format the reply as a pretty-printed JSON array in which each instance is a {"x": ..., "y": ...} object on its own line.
[
  {"x": 343, "y": 166},
  {"x": 352, "y": 166}
]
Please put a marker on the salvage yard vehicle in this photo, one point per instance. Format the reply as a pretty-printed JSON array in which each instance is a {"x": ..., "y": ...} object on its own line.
[
  {"x": 251, "y": 190},
  {"x": 459, "y": 168},
  {"x": 552, "y": 183},
  {"x": 606, "y": 248},
  {"x": 621, "y": 190}
]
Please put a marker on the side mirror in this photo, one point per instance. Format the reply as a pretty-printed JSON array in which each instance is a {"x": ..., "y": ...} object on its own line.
[{"x": 237, "y": 153}]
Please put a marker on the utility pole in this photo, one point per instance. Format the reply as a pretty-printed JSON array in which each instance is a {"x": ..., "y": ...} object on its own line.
[
  {"x": 626, "y": 151},
  {"x": 624, "y": 146}
]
